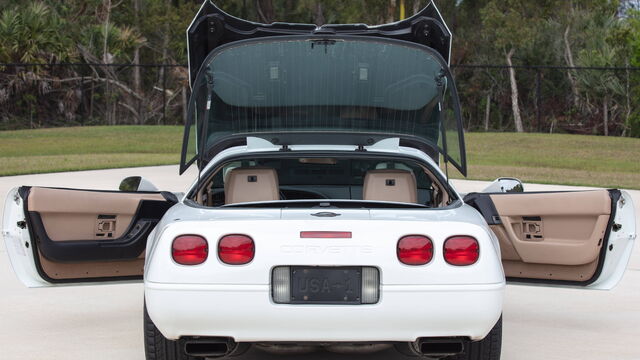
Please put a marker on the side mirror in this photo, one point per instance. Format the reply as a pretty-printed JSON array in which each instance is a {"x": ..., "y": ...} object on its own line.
[
  {"x": 171, "y": 198},
  {"x": 505, "y": 185},
  {"x": 136, "y": 183}
]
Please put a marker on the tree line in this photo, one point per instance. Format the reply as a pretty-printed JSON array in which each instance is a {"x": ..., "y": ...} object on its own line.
[{"x": 553, "y": 65}]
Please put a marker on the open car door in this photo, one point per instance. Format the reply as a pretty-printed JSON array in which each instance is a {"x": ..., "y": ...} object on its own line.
[
  {"x": 567, "y": 239},
  {"x": 61, "y": 236}
]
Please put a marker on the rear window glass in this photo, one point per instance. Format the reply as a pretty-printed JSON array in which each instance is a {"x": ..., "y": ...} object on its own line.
[
  {"x": 274, "y": 88},
  {"x": 362, "y": 86}
]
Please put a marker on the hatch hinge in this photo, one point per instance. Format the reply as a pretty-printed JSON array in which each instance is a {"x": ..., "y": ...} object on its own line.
[
  {"x": 22, "y": 224},
  {"x": 361, "y": 148},
  {"x": 285, "y": 148}
]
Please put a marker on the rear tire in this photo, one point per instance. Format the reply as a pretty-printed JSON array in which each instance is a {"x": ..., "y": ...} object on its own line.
[
  {"x": 157, "y": 347},
  {"x": 488, "y": 348}
]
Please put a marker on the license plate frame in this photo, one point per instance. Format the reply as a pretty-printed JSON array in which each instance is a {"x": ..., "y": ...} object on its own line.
[{"x": 326, "y": 285}]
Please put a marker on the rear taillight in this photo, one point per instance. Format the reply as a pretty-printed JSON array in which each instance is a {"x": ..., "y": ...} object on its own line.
[
  {"x": 236, "y": 249},
  {"x": 190, "y": 249},
  {"x": 461, "y": 250},
  {"x": 415, "y": 250}
]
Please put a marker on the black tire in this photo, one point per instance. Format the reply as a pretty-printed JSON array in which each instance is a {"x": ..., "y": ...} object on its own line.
[
  {"x": 157, "y": 347},
  {"x": 405, "y": 349},
  {"x": 488, "y": 348}
]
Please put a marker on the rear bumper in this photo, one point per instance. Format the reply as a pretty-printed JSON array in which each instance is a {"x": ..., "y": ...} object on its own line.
[{"x": 246, "y": 313}]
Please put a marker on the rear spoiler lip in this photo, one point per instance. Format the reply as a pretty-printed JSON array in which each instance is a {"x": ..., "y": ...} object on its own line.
[{"x": 212, "y": 27}]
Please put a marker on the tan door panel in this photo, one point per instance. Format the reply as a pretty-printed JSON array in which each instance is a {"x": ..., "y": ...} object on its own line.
[
  {"x": 556, "y": 203},
  {"x": 94, "y": 269},
  {"x": 518, "y": 269},
  {"x": 552, "y": 235},
  {"x": 506, "y": 248},
  {"x": 73, "y": 214},
  {"x": 559, "y": 245}
]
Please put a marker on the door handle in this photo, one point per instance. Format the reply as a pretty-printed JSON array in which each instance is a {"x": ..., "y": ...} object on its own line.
[
  {"x": 532, "y": 228},
  {"x": 105, "y": 226}
]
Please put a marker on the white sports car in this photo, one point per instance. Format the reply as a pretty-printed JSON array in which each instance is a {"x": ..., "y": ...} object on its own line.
[{"x": 320, "y": 217}]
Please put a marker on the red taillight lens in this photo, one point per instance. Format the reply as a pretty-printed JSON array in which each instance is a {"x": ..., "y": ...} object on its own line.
[
  {"x": 461, "y": 250},
  {"x": 236, "y": 249},
  {"x": 415, "y": 250},
  {"x": 190, "y": 249}
]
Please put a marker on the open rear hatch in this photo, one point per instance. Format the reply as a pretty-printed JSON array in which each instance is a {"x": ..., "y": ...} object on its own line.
[
  {"x": 212, "y": 28},
  {"x": 294, "y": 84}
]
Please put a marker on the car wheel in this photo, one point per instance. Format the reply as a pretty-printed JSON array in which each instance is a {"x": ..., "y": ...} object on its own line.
[
  {"x": 157, "y": 347},
  {"x": 488, "y": 348}
]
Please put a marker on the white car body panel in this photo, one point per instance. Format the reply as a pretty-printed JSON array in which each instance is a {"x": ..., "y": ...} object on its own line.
[
  {"x": 16, "y": 240},
  {"x": 470, "y": 295},
  {"x": 245, "y": 312},
  {"x": 620, "y": 245}
]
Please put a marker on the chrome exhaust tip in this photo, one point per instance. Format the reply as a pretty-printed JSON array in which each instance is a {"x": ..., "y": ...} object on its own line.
[
  {"x": 438, "y": 347},
  {"x": 209, "y": 348}
]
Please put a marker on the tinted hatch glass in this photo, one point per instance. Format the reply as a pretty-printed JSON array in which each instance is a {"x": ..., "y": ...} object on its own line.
[{"x": 341, "y": 85}]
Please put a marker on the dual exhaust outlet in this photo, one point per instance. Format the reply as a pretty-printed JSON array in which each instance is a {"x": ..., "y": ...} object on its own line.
[{"x": 211, "y": 348}]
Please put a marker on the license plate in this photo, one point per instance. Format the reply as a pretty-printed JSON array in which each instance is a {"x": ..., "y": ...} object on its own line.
[{"x": 321, "y": 285}]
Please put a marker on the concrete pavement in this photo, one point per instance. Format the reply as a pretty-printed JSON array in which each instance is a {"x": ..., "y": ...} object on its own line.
[{"x": 105, "y": 322}]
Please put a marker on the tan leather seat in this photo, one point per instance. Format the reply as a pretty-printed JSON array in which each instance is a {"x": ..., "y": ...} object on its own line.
[
  {"x": 251, "y": 184},
  {"x": 390, "y": 185}
]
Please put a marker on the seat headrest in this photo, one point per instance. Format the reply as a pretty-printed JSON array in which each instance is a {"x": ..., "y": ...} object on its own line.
[
  {"x": 251, "y": 184},
  {"x": 390, "y": 185}
]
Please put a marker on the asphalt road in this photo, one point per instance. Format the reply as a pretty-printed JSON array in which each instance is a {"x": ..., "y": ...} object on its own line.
[{"x": 105, "y": 322}]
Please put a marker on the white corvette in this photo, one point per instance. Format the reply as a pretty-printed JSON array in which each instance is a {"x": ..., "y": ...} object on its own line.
[{"x": 320, "y": 217}]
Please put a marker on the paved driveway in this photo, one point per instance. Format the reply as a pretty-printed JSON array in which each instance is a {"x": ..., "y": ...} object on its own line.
[{"x": 105, "y": 322}]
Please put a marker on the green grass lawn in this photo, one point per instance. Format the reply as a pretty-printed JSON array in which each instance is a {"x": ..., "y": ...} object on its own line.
[
  {"x": 541, "y": 158},
  {"x": 555, "y": 159},
  {"x": 85, "y": 148}
]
